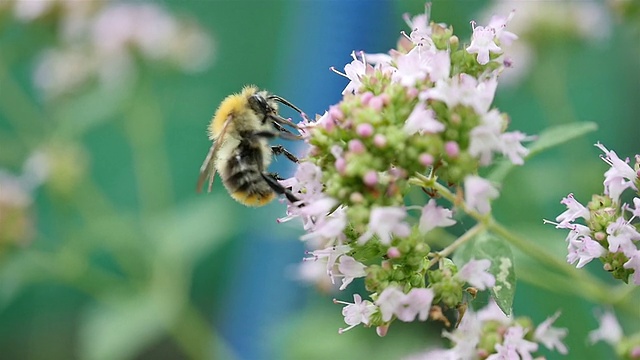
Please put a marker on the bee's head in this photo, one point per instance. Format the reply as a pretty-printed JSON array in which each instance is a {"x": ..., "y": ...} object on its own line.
[{"x": 262, "y": 105}]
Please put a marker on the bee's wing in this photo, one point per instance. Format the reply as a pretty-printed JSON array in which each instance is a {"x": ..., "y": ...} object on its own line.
[{"x": 208, "y": 168}]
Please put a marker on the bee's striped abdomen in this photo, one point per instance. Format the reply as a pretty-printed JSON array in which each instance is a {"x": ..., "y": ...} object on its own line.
[{"x": 243, "y": 176}]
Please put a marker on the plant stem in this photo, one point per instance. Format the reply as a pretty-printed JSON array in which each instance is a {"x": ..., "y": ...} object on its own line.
[
  {"x": 470, "y": 234},
  {"x": 144, "y": 128},
  {"x": 580, "y": 282},
  {"x": 196, "y": 337}
]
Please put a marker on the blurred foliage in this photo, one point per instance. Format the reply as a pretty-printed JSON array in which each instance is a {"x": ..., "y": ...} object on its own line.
[{"x": 106, "y": 252}]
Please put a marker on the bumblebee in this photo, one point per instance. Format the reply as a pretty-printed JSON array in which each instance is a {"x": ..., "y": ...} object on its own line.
[{"x": 240, "y": 153}]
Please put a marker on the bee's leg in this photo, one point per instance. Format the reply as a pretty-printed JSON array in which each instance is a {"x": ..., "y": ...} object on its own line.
[
  {"x": 281, "y": 128},
  {"x": 278, "y": 188},
  {"x": 271, "y": 135},
  {"x": 276, "y": 176},
  {"x": 280, "y": 150}
]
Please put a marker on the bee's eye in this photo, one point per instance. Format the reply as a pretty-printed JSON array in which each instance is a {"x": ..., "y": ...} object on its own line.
[{"x": 259, "y": 104}]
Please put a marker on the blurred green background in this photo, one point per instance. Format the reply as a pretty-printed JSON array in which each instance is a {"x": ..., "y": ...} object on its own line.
[{"x": 106, "y": 250}]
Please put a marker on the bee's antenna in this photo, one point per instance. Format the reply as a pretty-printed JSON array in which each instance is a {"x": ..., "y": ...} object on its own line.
[{"x": 285, "y": 102}]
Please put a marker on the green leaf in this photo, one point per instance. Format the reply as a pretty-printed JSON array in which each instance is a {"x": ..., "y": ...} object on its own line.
[
  {"x": 192, "y": 230},
  {"x": 125, "y": 326},
  {"x": 490, "y": 247},
  {"x": 547, "y": 139}
]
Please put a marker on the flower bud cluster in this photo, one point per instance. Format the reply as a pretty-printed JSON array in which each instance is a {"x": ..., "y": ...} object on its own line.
[
  {"x": 418, "y": 116},
  {"x": 610, "y": 229}
]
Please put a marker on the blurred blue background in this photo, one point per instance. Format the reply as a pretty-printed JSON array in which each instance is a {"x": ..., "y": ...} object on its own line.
[{"x": 107, "y": 252}]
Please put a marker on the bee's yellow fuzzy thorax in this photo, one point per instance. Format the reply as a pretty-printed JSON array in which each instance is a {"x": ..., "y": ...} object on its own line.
[{"x": 232, "y": 106}]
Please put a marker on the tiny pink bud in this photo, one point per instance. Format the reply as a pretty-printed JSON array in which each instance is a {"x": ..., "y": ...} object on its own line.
[
  {"x": 341, "y": 165},
  {"x": 385, "y": 98},
  {"x": 412, "y": 93},
  {"x": 376, "y": 103},
  {"x": 382, "y": 330},
  {"x": 335, "y": 112},
  {"x": 329, "y": 124},
  {"x": 600, "y": 236},
  {"x": 635, "y": 352},
  {"x": 426, "y": 159},
  {"x": 364, "y": 130},
  {"x": 370, "y": 178},
  {"x": 366, "y": 97},
  {"x": 356, "y": 146},
  {"x": 393, "y": 253},
  {"x": 452, "y": 149},
  {"x": 379, "y": 141}
]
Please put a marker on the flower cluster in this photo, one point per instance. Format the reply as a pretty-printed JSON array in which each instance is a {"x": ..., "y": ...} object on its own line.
[
  {"x": 609, "y": 231},
  {"x": 417, "y": 118},
  {"x": 102, "y": 41},
  {"x": 489, "y": 334}
]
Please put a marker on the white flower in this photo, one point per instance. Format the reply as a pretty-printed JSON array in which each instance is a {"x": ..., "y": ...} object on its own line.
[
  {"x": 354, "y": 72},
  {"x": 410, "y": 68},
  {"x": 406, "y": 307},
  {"x": 482, "y": 43},
  {"x": 422, "y": 120},
  {"x": 514, "y": 339},
  {"x": 583, "y": 249},
  {"x": 498, "y": 24},
  {"x": 475, "y": 273},
  {"x": 386, "y": 222},
  {"x": 466, "y": 337},
  {"x": 434, "y": 216},
  {"x": 351, "y": 269},
  {"x": 634, "y": 263},
  {"x": 550, "y": 336},
  {"x": 619, "y": 177},
  {"x": 478, "y": 193},
  {"x": 609, "y": 330},
  {"x": 417, "y": 303},
  {"x": 388, "y": 301},
  {"x": 621, "y": 236},
  {"x": 330, "y": 255},
  {"x": 357, "y": 313},
  {"x": 574, "y": 210},
  {"x": 485, "y": 139},
  {"x": 464, "y": 89},
  {"x": 512, "y": 147}
]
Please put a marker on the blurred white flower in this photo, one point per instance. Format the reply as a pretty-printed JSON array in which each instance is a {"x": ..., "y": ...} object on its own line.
[{"x": 101, "y": 40}]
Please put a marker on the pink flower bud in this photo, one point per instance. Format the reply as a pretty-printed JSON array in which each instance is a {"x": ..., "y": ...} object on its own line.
[
  {"x": 364, "y": 130},
  {"x": 370, "y": 178},
  {"x": 452, "y": 149},
  {"x": 379, "y": 141},
  {"x": 335, "y": 112},
  {"x": 426, "y": 159},
  {"x": 393, "y": 253},
  {"x": 341, "y": 165},
  {"x": 366, "y": 97},
  {"x": 382, "y": 330},
  {"x": 376, "y": 103},
  {"x": 356, "y": 146}
]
